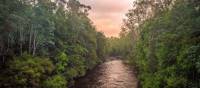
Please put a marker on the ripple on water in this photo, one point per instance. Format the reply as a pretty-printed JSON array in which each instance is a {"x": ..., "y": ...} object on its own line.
[{"x": 111, "y": 74}]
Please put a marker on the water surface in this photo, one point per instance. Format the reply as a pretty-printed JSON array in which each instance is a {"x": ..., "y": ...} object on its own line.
[{"x": 111, "y": 74}]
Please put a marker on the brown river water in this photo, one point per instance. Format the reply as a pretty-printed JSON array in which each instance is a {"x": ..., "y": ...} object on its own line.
[{"x": 111, "y": 74}]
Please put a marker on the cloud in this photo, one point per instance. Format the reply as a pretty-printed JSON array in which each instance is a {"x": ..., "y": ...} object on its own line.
[{"x": 107, "y": 15}]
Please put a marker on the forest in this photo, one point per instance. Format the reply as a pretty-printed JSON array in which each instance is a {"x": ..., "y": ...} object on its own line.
[
  {"x": 44, "y": 44},
  {"x": 50, "y": 43},
  {"x": 161, "y": 38}
]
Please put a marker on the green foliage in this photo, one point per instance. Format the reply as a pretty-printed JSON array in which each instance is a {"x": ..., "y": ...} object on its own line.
[
  {"x": 29, "y": 71},
  {"x": 101, "y": 45},
  {"x": 56, "y": 81},
  {"x": 47, "y": 29},
  {"x": 122, "y": 46},
  {"x": 62, "y": 62},
  {"x": 163, "y": 45},
  {"x": 76, "y": 67}
]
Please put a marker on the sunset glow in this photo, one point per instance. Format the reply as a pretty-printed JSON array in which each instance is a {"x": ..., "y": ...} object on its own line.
[{"x": 107, "y": 15}]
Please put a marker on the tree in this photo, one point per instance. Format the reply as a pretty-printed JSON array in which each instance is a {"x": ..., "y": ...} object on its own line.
[
  {"x": 56, "y": 29},
  {"x": 165, "y": 51},
  {"x": 27, "y": 71}
]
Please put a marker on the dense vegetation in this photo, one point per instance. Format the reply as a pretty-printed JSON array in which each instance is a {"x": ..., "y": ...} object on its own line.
[
  {"x": 46, "y": 43},
  {"x": 165, "y": 45}
]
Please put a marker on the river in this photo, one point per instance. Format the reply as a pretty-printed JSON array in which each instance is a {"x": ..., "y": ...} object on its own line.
[{"x": 110, "y": 74}]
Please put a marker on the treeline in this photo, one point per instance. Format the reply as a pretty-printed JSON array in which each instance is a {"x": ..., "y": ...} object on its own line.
[
  {"x": 165, "y": 45},
  {"x": 120, "y": 46},
  {"x": 46, "y": 43}
]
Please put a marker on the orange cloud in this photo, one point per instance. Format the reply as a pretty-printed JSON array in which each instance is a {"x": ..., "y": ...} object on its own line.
[{"x": 107, "y": 15}]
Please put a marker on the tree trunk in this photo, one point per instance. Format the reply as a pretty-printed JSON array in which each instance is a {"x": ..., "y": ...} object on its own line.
[
  {"x": 21, "y": 41},
  {"x": 30, "y": 41},
  {"x": 34, "y": 44}
]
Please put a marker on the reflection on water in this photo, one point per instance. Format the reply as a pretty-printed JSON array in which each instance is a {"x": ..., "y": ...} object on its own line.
[{"x": 111, "y": 74}]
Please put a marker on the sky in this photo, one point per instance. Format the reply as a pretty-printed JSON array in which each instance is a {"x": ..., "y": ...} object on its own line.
[{"x": 107, "y": 15}]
